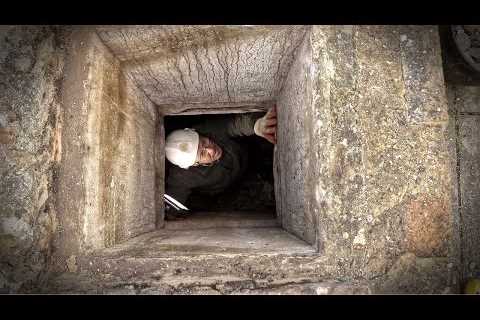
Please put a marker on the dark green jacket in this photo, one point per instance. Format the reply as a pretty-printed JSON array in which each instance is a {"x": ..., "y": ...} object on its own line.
[{"x": 231, "y": 166}]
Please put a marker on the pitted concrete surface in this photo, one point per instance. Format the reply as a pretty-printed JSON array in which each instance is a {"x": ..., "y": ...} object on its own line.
[
  {"x": 107, "y": 173},
  {"x": 208, "y": 220},
  {"x": 205, "y": 64},
  {"x": 379, "y": 155},
  {"x": 364, "y": 157},
  {"x": 465, "y": 104},
  {"x": 165, "y": 243},
  {"x": 31, "y": 68}
]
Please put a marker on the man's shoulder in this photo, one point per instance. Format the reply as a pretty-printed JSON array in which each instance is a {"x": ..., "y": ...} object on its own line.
[{"x": 189, "y": 174}]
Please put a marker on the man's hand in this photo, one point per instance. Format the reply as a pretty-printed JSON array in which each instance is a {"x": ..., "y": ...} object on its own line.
[{"x": 266, "y": 126}]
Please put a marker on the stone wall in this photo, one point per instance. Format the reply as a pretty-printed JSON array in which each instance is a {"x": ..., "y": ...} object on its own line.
[
  {"x": 31, "y": 65},
  {"x": 293, "y": 147},
  {"x": 363, "y": 166},
  {"x": 379, "y": 171},
  {"x": 106, "y": 178},
  {"x": 466, "y": 117},
  {"x": 218, "y": 65}
]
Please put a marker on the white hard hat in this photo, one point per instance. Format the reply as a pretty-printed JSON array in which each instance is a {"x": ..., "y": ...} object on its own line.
[{"x": 181, "y": 147}]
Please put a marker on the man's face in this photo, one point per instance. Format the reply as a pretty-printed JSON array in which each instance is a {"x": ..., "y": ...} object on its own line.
[{"x": 208, "y": 151}]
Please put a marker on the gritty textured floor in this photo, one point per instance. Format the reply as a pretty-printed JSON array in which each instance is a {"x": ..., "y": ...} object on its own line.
[
  {"x": 207, "y": 241},
  {"x": 235, "y": 219}
]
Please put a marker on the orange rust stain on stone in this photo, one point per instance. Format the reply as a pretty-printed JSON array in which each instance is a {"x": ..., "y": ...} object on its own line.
[
  {"x": 7, "y": 136},
  {"x": 428, "y": 227}
]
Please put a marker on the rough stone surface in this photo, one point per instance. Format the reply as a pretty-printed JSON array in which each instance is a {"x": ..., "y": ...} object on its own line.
[
  {"x": 470, "y": 191},
  {"x": 159, "y": 150},
  {"x": 378, "y": 117},
  {"x": 152, "y": 269},
  {"x": 291, "y": 149},
  {"x": 31, "y": 63},
  {"x": 205, "y": 64},
  {"x": 106, "y": 178},
  {"x": 363, "y": 155},
  {"x": 208, "y": 220},
  {"x": 467, "y": 105}
]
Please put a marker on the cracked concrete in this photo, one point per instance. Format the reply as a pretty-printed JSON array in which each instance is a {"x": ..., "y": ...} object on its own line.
[
  {"x": 205, "y": 64},
  {"x": 364, "y": 170}
]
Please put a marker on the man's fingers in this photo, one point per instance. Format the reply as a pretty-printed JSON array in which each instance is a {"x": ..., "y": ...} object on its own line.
[
  {"x": 272, "y": 113},
  {"x": 270, "y": 122},
  {"x": 270, "y": 138},
  {"x": 269, "y": 130}
]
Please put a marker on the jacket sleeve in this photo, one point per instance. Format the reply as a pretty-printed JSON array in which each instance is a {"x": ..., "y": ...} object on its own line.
[
  {"x": 177, "y": 189},
  {"x": 233, "y": 126}
]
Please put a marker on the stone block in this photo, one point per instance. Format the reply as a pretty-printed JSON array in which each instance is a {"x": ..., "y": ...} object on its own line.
[
  {"x": 379, "y": 118},
  {"x": 31, "y": 65},
  {"x": 106, "y": 177},
  {"x": 469, "y": 169},
  {"x": 213, "y": 64},
  {"x": 292, "y": 148}
]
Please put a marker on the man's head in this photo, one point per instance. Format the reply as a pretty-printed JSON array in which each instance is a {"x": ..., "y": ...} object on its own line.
[
  {"x": 208, "y": 151},
  {"x": 186, "y": 148}
]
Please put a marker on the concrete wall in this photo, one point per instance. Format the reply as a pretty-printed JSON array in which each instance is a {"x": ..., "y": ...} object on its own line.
[
  {"x": 134, "y": 162},
  {"x": 31, "y": 64},
  {"x": 177, "y": 65},
  {"x": 106, "y": 178},
  {"x": 362, "y": 166},
  {"x": 466, "y": 115},
  {"x": 379, "y": 169},
  {"x": 293, "y": 147}
]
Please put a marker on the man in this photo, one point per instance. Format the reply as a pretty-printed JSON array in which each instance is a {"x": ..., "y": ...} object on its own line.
[{"x": 206, "y": 160}]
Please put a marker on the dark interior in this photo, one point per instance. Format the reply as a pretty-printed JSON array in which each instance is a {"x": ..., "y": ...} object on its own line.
[{"x": 255, "y": 190}]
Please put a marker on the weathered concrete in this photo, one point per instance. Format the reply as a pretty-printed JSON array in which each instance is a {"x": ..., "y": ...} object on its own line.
[
  {"x": 159, "y": 164},
  {"x": 207, "y": 220},
  {"x": 363, "y": 167},
  {"x": 370, "y": 160},
  {"x": 106, "y": 178},
  {"x": 31, "y": 63},
  {"x": 378, "y": 155},
  {"x": 217, "y": 285},
  {"x": 291, "y": 150},
  {"x": 466, "y": 112},
  {"x": 168, "y": 243},
  {"x": 144, "y": 266},
  {"x": 469, "y": 155},
  {"x": 175, "y": 65}
]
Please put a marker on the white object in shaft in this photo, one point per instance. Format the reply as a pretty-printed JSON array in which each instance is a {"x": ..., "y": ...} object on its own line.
[{"x": 178, "y": 204}]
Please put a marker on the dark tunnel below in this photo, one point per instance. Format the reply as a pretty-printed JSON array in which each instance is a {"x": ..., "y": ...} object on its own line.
[{"x": 253, "y": 192}]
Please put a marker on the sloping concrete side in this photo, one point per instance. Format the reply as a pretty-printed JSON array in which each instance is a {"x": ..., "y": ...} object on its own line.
[
  {"x": 469, "y": 154},
  {"x": 159, "y": 149},
  {"x": 133, "y": 185},
  {"x": 176, "y": 65},
  {"x": 31, "y": 64},
  {"x": 379, "y": 171},
  {"x": 466, "y": 105},
  {"x": 293, "y": 146},
  {"x": 106, "y": 178}
]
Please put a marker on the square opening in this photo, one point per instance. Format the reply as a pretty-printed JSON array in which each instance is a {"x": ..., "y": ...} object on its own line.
[
  {"x": 128, "y": 118},
  {"x": 248, "y": 200},
  {"x": 242, "y": 218}
]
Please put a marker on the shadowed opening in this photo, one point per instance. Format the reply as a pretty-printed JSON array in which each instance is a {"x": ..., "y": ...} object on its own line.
[{"x": 252, "y": 192}]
